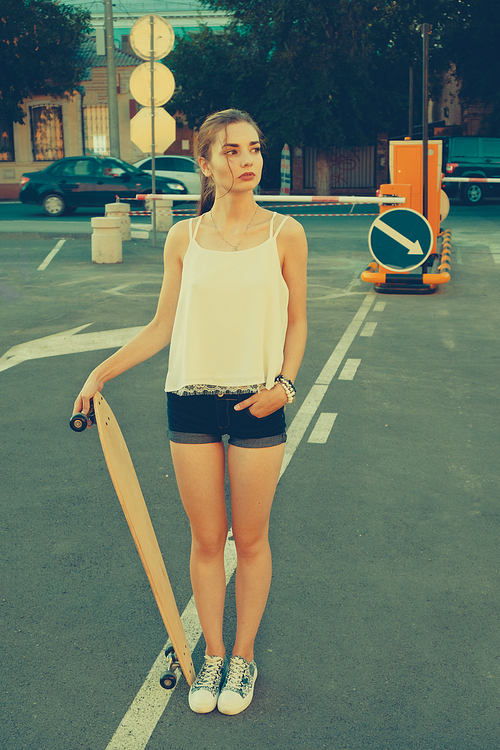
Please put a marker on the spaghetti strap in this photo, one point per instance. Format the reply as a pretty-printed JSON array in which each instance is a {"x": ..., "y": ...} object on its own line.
[
  {"x": 279, "y": 228},
  {"x": 192, "y": 235},
  {"x": 271, "y": 224}
]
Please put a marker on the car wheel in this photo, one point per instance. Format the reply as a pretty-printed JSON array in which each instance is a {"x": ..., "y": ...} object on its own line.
[
  {"x": 472, "y": 194},
  {"x": 54, "y": 205}
]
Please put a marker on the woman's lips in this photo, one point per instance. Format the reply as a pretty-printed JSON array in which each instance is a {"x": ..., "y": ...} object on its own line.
[{"x": 247, "y": 176}]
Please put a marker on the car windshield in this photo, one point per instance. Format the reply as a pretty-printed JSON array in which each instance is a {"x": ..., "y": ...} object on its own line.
[{"x": 118, "y": 164}]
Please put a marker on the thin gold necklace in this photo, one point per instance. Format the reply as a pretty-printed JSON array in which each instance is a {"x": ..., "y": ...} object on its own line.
[{"x": 235, "y": 247}]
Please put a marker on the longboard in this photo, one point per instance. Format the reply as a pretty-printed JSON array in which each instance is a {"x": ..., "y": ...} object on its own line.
[{"x": 122, "y": 472}]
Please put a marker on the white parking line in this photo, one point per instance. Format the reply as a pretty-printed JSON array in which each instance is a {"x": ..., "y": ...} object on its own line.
[
  {"x": 322, "y": 428},
  {"x": 145, "y": 711},
  {"x": 328, "y": 372},
  {"x": 349, "y": 369},
  {"x": 495, "y": 251},
  {"x": 141, "y": 719},
  {"x": 51, "y": 255},
  {"x": 368, "y": 330}
]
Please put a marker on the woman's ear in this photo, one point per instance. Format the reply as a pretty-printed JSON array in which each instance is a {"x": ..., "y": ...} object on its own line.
[{"x": 204, "y": 167}]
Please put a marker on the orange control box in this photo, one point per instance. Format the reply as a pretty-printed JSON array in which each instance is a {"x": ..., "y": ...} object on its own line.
[{"x": 406, "y": 167}]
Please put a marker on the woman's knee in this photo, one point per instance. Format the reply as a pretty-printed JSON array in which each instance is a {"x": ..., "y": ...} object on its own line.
[
  {"x": 209, "y": 544},
  {"x": 250, "y": 544}
]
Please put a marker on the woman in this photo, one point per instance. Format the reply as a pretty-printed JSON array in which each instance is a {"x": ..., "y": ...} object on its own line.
[{"x": 233, "y": 307}]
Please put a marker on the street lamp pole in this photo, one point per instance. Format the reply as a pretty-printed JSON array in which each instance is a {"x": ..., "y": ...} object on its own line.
[{"x": 114, "y": 132}]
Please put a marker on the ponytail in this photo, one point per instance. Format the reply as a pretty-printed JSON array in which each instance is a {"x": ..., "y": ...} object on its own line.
[{"x": 207, "y": 198}]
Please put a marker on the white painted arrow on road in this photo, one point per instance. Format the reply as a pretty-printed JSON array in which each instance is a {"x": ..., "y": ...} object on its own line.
[
  {"x": 414, "y": 248},
  {"x": 67, "y": 342}
]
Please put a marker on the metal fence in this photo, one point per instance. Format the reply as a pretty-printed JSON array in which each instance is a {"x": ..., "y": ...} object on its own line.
[
  {"x": 96, "y": 128},
  {"x": 47, "y": 140},
  {"x": 348, "y": 168}
]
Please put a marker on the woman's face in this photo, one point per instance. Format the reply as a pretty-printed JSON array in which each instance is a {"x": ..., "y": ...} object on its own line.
[{"x": 235, "y": 162}]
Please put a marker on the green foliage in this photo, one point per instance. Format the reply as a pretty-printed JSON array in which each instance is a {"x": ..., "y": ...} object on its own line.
[
  {"x": 328, "y": 72},
  {"x": 474, "y": 37},
  {"x": 39, "y": 41}
]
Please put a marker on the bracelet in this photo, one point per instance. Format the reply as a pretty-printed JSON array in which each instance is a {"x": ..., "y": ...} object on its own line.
[{"x": 288, "y": 387}]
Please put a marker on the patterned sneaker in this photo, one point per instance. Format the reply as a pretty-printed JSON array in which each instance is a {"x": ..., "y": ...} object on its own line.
[
  {"x": 205, "y": 689},
  {"x": 237, "y": 691}
]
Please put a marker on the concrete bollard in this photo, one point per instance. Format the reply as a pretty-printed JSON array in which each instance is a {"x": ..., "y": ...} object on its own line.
[
  {"x": 164, "y": 218},
  {"x": 122, "y": 211},
  {"x": 106, "y": 239}
]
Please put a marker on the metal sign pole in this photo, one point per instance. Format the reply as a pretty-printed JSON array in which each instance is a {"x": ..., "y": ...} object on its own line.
[
  {"x": 153, "y": 145},
  {"x": 426, "y": 30},
  {"x": 410, "y": 103}
]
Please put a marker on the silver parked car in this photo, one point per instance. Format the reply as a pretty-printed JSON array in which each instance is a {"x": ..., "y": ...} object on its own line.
[{"x": 182, "y": 168}]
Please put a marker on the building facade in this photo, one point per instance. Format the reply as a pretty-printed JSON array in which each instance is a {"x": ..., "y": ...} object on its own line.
[{"x": 78, "y": 124}]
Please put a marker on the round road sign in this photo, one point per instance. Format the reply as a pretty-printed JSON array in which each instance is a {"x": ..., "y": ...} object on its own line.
[
  {"x": 400, "y": 239},
  {"x": 140, "y": 84},
  {"x": 163, "y": 37}
]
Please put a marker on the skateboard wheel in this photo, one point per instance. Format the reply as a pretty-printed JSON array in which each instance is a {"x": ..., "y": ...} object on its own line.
[
  {"x": 170, "y": 650},
  {"x": 168, "y": 680},
  {"x": 78, "y": 422}
]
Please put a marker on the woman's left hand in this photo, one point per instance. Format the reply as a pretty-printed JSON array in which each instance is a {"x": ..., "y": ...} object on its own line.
[{"x": 265, "y": 402}]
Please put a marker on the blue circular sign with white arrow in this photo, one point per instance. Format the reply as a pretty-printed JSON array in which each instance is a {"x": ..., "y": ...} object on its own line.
[{"x": 400, "y": 239}]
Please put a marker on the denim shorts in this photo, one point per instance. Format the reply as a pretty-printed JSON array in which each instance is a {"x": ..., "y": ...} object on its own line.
[{"x": 205, "y": 419}]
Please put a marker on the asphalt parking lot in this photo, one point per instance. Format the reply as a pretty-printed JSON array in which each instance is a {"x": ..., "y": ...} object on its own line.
[{"x": 381, "y": 631}]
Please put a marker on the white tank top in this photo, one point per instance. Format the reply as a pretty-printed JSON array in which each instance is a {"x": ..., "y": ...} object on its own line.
[{"x": 231, "y": 317}]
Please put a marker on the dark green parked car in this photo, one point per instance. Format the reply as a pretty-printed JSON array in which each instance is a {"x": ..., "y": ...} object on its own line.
[
  {"x": 77, "y": 181},
  {"x": 471, "y": 157}
]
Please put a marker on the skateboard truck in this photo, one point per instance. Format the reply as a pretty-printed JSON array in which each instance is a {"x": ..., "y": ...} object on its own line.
[
  {"x": 168, "y": 680},
  {"x": 80, "y": 422}
]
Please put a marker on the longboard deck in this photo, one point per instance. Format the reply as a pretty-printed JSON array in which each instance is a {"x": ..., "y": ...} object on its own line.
[{"x": 122, "y": 472}]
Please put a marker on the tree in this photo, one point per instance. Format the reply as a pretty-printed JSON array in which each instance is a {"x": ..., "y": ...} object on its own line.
[
  {"x": 39, "y": 42},
  {"x": 473, "y": 38},
  {"x": 312, "y": 72}
]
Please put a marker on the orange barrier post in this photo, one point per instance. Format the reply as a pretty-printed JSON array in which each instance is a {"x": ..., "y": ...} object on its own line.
[
  {"x": 405, "y": 164},
  {"x": 405, "y": 160}
]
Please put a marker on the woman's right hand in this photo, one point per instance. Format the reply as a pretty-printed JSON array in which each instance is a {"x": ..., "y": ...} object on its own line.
[{"x": 92, "y": 386}]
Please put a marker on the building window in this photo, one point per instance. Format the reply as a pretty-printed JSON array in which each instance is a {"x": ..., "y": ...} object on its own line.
[
  {"x": 47, "y": 132},
  {"x": 96, "y": 128},
  {"x": 6, "y": 141}
]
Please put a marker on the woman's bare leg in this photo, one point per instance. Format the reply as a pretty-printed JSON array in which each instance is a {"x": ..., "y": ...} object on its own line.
[
  {"x": 200, "y": 470},
  {"x": 254, "y": 474}
]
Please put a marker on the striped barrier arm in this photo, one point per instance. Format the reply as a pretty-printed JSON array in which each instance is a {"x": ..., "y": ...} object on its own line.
[
  {"x": 471, "y": 179},
  {"x": 349, "y": 199}
]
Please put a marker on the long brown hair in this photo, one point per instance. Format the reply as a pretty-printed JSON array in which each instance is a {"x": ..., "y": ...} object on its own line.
[{"x": 206, "y": 137}]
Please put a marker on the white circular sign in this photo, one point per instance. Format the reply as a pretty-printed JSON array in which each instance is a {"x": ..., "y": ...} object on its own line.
[
  {"x": 163, "y": 37},
  {"x": 163, "y": 82}
]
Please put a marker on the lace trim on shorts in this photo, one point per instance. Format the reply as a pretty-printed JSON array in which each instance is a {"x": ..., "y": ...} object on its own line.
[{"x": 217, "y": 390}]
